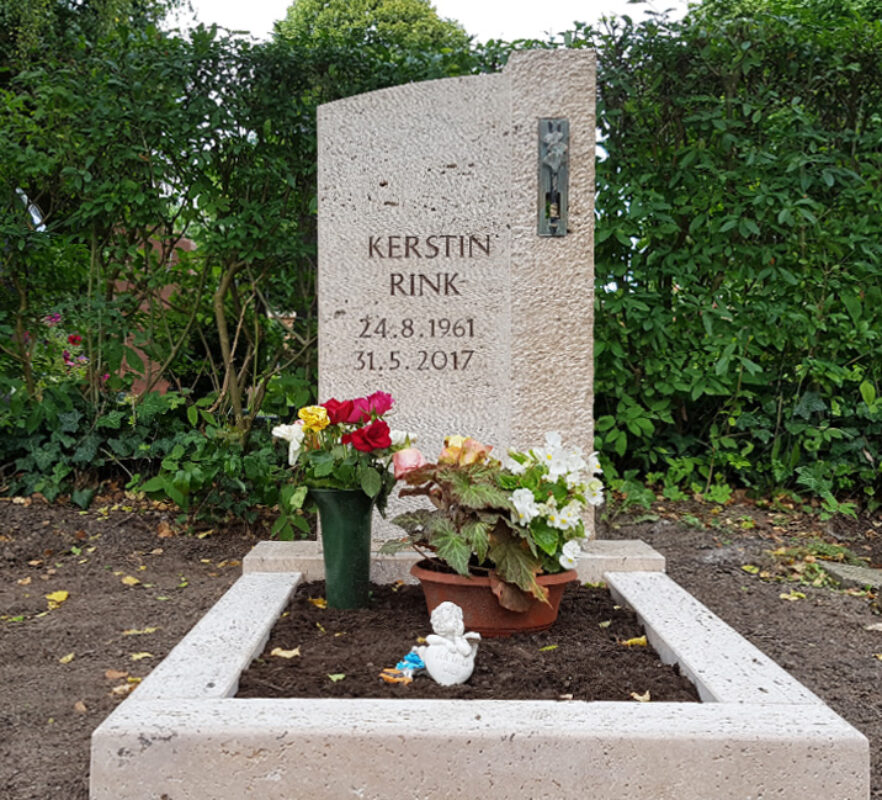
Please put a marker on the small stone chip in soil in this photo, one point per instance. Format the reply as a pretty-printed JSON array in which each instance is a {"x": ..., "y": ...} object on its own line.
[{"x": 581, "y": 657}]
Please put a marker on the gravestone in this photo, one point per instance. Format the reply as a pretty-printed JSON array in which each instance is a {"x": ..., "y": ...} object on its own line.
[{"x": 456, "y": 272}]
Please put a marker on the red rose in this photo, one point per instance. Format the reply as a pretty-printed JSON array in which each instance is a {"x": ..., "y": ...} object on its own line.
[
  {"x": 338, "y": 411},
  {"x": 371, "y": 437},
  {"x": 74, "y": 339}
]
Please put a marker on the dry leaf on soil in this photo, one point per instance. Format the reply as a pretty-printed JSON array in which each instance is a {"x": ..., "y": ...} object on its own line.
[
  {"x": 130, "y": 580},
  {"x": 319, "y": 602},
  {"x": 637, "y": 641},
  {"x": 66, "y": 659},
  {"x": 56, "y": 598},
  {"x": 138, "y": 632},
  {"x": 141, "y": 656},
  {"x": 80, "y": 707},
  {"x": 278, "y": 651},
  {"x": 164, "y": 530},
  {"x": 641, "y": 698},
  {"x": 115, "y": 674}
]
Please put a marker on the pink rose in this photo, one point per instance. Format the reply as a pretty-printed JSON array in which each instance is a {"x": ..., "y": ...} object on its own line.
[
  {"x": 376, "y": 404},
  {"x": 380, "y": 402},
  {"x": 406, "y": 461}
]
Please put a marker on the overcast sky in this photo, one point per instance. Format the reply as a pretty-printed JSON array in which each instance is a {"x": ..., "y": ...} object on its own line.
[{"x": 485, "y": 19}]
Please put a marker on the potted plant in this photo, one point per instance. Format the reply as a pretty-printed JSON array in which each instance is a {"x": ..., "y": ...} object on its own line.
[
  {"x": 340, "y": 453},
  {"x": 508, "y": 535}
]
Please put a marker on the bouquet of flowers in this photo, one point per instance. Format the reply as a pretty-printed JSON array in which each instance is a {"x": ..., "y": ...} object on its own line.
[
  {"x": 343, "y": 445},
  {"x": 512, "y": 521}
]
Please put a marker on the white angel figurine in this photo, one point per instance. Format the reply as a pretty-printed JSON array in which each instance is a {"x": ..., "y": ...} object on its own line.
[{"x": 449, "y": 652}]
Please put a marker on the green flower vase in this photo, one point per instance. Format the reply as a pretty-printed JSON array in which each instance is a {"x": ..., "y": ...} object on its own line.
[{"x": 345, "y": 516}]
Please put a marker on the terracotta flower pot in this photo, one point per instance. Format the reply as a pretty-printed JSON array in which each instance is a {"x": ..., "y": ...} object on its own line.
[{"x": 481, "y": 611}]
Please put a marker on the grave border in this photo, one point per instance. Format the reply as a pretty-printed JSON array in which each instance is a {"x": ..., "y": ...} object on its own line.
[{"x": 758, "y": 734}]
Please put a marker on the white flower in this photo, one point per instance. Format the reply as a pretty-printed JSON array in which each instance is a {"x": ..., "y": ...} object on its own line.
[
  {"x": 594, "y": 492},
  {"x": 594, "y": 464},
  {"x": 567, "y": 517},
  {"x": 526, "y": 508},
  {"x": 293, "y": 434},
  {"x": 570, "y": 555},
  {"x": 515, "y": 467},
  {"x": 400, "y": 438}
]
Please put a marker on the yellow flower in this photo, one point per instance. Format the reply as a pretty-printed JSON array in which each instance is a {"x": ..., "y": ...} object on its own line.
[
  {"x": 315, "y": 418},
  {"x": 462, "y": 451}
]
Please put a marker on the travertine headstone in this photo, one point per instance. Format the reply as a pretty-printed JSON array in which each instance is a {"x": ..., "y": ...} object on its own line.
[{"x": 434, "y": 284}]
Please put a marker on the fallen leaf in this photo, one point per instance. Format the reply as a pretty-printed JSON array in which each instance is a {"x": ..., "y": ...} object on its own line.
[
  {"x": 637, "y": 641},
  {"x": 115, "y": 674},
  {"x": 66, "y": 659},
  {"x": 605, "y": 624},
  {"x": 56, "y": 598},
  {"x": 564, "y": 697},
  {"x": 877, "y": 655},
  {"x": 337, "y": 676},
  {"x": 80, "y": 707},
  {"x": 278, "y": 651},
  {"x": 319, "y": 602},
  {"x": 138, "y": 632},
  {"x": 641, "y": 698},
  {"x": 24, "y": 581},
  {"x": 205, "y": 534},
  {"x": 320, "y": 627},
  {"x": 547, "y": 648},
  {"x": 130, "y": 580},
  {"x": 876, "y": 626},
  {"x": 140, "y": 656},
  {"x": 750, "y": 568},
  {"x": 184, "y": 583},
  {"x": 123, "y": 688},
  {"x": 156, "y": 551},
  {"x": 205, "y": 560},
  {"x": 164, "y": 530},
  {"x": 396, "y": 586},
  {"x": 134, "y": 679},
  {"x": 35, "y": 563},
  {"x": 791, "y": 596}
]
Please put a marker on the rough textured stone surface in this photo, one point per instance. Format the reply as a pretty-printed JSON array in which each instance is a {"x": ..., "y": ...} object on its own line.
[
  {"x": 598, "y": 557},
  {"x": 278, "y": 749},
  {"x": 209, "y": 659},
  {"x": 853, "y": 575},
  {"x": 768, "y": 737},
  {"x": 501, "y": 349},
  {"x": 722, "y": 664},
  {"x": 306, "y": 558}
]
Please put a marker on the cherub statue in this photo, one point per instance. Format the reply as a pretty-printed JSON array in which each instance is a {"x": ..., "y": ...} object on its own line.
[{"x": 449, "y": 652}]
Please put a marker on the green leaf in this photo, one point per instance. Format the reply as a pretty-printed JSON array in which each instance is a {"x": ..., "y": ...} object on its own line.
[
  {"x": 371, "y": 482},
  {"x": 193, "y": 415},
  {"x": 868, "y": 393},
  {"x": 545, "y": 536},
  {"x": 515, "y": 564},
  {"x": 450, "y": 545},
  {"x": 476, "y": 534}
]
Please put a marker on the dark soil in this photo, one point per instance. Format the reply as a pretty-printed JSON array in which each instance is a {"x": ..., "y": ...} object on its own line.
[
  {"x": 582, "y": 656},
  {"x": 50, "y": 703}
]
